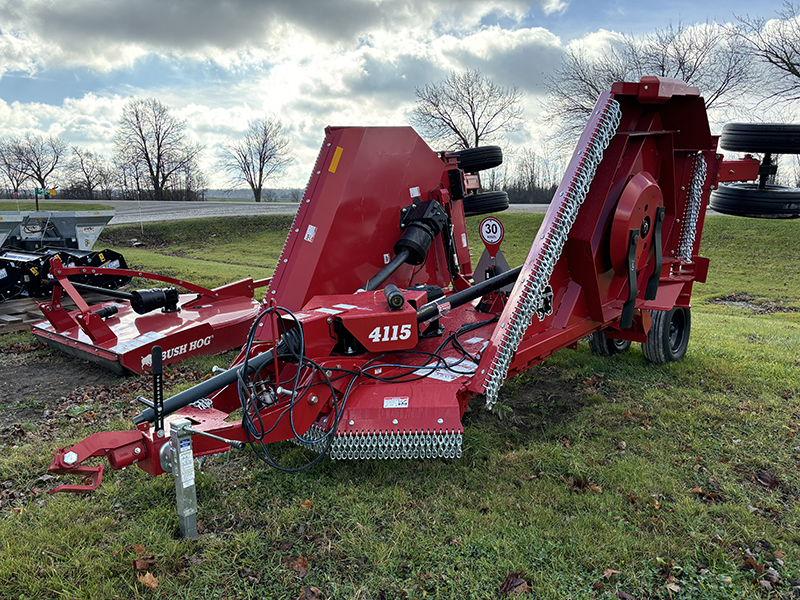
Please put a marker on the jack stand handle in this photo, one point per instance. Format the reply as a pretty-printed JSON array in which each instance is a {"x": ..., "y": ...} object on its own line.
[
  {"x": 158, "y": 390},
  {"x": 233, "y": 443}
]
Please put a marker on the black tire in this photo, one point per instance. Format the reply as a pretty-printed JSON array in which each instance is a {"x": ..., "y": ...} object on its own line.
[
  {"x": 774, "y": 138},
  {"x": 473, "y": 160},
  {"x": 668, "y": 337},
  {"x": 747, "y": 200},
  {"x": 602, "y": 345},
  {"x": 482, "y": 204}
]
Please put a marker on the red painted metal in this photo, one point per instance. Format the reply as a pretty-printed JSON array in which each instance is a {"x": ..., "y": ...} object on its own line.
[
  {"x": 376, "y": 364},
  {"x": 208, "y": 322}
]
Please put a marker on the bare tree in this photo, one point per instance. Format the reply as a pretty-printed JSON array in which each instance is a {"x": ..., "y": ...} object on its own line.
[
  {"x": 776, "y": 42},
  {"x": 39, "y": 156},
  {"x": 261, "y": 154},
  {"x": 11, "y": 166},
  {"x": 534, "y": 181},
  {"x": 87, "y": 172},
  {"x": 153, "y": 142},
  {"x": 706, "y": 55},
  {"x": 466, "y": 110}
]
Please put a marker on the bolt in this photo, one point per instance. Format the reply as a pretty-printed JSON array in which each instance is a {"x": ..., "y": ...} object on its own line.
[
  {"x": 160, "y": 433},
  {"x": 329, "y": 373},
  {"x": 313, "y": 400},
  {"x": 394, "y": 421},
  {"x": 330, "y": 320},
  {"x": 137, "y": 450},
  {"x": 70, "y": 458},
  {"x": 351, "y": 423},
  {"x": 440, "y": 421}
]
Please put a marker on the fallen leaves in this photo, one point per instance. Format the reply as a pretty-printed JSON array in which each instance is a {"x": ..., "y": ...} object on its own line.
[
  {"x": 143, "y": 564},
  {"x": 148, "y": 580},
  {"x": 767, "y": 479},
  {"x": 582, "y": 485},
  {"x": 248, "y": 575},
  {"x": 515, "y": 583},
  {"x": 306, "y": 503},
  {"x": 310, "y": 593},
  {"x": 297, "y": 564}
]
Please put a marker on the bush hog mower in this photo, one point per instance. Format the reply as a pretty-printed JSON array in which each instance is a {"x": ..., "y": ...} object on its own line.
[
  {"x": 120, "y": 334},
  {"x": 376, "y": 332}
]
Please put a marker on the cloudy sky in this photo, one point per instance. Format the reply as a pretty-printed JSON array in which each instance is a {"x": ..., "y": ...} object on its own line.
[{"x": 68, "y": 66}]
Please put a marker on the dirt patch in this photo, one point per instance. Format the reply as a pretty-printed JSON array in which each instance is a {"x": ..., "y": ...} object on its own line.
[
  {"x": 40, "y": 393},
  {"x": 34, "y": 384},
  {"x": 758, "y": 306},
  {"x": 529, "y": 406}
]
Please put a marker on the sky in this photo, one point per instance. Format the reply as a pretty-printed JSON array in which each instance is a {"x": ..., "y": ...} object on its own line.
[{"x": 67, "y": 67}]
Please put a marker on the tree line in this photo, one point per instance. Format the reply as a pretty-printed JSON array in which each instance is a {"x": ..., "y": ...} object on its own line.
[{"x": 155, "y": 159}]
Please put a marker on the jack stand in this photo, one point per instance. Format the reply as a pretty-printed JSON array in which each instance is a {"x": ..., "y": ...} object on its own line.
[{"x": 177, "y": 458}]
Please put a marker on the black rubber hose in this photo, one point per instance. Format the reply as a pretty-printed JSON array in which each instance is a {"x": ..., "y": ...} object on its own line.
[
  {"x": 386, "y": 272},
  {"x": 434, "y": 309},
  {"x": 287, "y": 348}
]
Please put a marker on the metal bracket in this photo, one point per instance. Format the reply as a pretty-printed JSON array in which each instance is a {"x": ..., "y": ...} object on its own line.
[
  {"x": 626, "y": 320},
  {"x": 652, "y": 283},
  {"x": 182, "y": 468}
]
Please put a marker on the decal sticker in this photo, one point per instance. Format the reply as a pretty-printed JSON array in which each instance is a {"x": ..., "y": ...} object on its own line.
[
  {"x": 337, "y": 155},
  {"x": 311, "y": 233},
  {"x": 396, "y": 402}
]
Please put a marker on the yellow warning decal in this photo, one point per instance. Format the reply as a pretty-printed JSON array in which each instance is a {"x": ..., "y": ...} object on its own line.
[{"x": 335, "y": 162}]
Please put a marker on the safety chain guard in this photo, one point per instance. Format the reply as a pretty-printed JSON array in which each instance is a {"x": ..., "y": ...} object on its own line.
[
  {"x": 692, "y": 212},
  {"x": 549, "y": 252},
  {"x": 370, "y": 446}
]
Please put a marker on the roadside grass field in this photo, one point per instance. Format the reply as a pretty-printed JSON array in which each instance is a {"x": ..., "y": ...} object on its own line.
[
  {"x": 26, "y": 205},
  {"x": 595, "y": 478}
]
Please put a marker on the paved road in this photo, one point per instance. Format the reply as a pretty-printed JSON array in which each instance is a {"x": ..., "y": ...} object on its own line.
[{"x": 131, "y": 211}]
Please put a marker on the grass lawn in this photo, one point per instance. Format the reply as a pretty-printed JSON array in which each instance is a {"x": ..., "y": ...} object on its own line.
[
  {"x": 13, "y": 206},
  {"x": 604, "y": 478}
]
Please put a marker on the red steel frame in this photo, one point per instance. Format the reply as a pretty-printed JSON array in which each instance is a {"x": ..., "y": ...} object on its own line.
[
  {"x": 345, "y": 230},
  {"x": 208, "y": 322}
]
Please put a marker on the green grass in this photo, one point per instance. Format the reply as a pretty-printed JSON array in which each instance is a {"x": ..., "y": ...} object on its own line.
[
  {"x": 679, "y": 504},
  {"x": 12, "y": 206}
]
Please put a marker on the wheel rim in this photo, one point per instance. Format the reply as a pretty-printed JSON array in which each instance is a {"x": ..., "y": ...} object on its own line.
[
  {"x": 620, "y": 344},
  {"x": 677, "y": 326}
]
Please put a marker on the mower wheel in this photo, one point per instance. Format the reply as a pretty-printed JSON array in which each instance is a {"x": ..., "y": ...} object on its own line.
[
  {"x": 669, "y": 335},
  {"x": 473, "y": 160},
  {"x": 748, "y": 200},
  {"x": 482, "y": 204},
  {"x": 602, "y": 345},
  {"x": 774, "y": 138}
]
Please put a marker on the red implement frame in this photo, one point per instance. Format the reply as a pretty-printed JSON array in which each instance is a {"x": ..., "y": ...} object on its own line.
[
  {"x": 340, "y": 370},
  {"x": 208, "y": 322}
]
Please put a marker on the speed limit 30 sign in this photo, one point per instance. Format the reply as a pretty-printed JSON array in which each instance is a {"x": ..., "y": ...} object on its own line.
[{"x": 491, "y": 232}]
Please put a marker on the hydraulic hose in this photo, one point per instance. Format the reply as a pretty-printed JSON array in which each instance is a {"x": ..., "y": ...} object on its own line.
[
  {"x": 434, "y": 309},
  {"x": 287, "y": 348}
]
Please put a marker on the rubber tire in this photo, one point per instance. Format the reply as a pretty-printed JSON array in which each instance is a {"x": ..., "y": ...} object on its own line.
[
  {"x": 473, "y": 160},
  {"x": 775, "y": 138},
  {"x": 602, "y": 345},
  {"x": 746, "y": 200},
  {"x": 482, "y": 204},
  {"x": 668, "y": 337}
]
